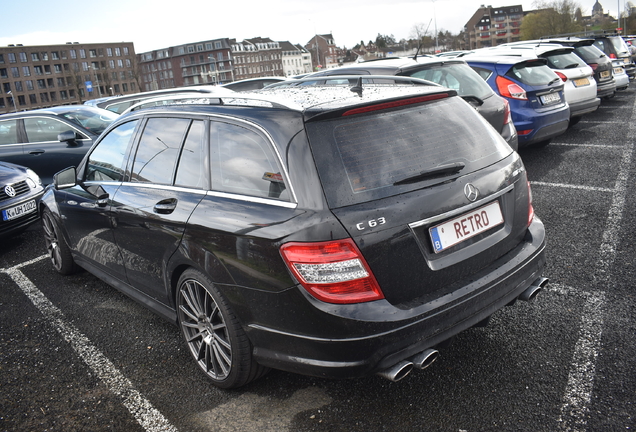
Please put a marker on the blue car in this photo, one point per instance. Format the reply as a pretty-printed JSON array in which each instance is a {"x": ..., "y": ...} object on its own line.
[{"x": 535, "y": 93}]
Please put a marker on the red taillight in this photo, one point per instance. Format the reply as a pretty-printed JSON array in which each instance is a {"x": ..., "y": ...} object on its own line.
[
  {"x": 510, "y": 89},
  {"x": 530, "y": 208},
  {"x": 524, "y": 132},
  {"x": 594, "y": 66},
  {"x": 613, "y": 56},
  {"x": 562, "y": 76},
  {"x": 332, "y": 271},
  {"x": 507, "y": 114}
]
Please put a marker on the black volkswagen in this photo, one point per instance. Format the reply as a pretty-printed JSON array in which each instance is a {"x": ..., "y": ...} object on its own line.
[{"x": 327, "y": 230}]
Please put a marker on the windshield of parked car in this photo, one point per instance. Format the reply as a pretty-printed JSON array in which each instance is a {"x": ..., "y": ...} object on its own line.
[
  {"x": 95, "y": 121},
  {"x": 384, "y": 153},
  {"x": 619, "y": 45},
  {"x": 457, "y": 76}
]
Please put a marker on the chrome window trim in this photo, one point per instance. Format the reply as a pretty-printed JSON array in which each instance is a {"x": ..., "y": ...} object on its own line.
[
  {"x": 463, "y": 209},
  {"x": 252, "y": 199},
  {"x": 232, "y": 119},
  {"x": 162, "y": 187}
]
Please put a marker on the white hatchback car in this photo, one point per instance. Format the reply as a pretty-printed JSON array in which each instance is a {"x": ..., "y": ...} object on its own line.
[
  {"x": 577, "y": 76},
  {"x": 620, "y": 76}
]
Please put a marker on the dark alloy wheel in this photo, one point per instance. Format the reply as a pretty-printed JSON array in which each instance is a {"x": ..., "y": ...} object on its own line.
[
  {"x": 58, "y": 250},
  {"x": 213, "y": 334}
]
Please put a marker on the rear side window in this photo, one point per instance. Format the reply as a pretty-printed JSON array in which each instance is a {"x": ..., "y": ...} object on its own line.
[
  {"x": 360, "y": 158},
  {"x": 457, "y": 76},
  {"x": 159, "y": 150},
  {"x": 245, "y": 163},
  {"x": 533, "y": 73},
  {"x": 8, "y": 132}
]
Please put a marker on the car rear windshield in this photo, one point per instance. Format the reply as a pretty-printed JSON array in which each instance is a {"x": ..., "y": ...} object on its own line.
[
  {"x": 589, "y": 53},
  {"x": 532, "y": 73},
  {"x": 360, "y": 158},
  {"x": 564, "y": 60},
  {"x": 458, "y": 76},
  {"x": 94, "y": 121}
]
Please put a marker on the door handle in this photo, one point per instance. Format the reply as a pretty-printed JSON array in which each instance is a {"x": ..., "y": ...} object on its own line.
[
  {"x": 36, "y": 152},
  {"x": 166, "y": 206}
]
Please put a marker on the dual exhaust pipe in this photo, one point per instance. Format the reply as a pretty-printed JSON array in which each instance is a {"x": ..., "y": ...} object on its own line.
[
  {"x": 428, "y": 357},
  {"x": 403, "y": 368}
]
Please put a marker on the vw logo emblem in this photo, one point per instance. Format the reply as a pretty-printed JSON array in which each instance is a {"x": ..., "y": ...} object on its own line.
[
  {"x": 471, "y": 192},
  {"x": 9, "y": 190}
]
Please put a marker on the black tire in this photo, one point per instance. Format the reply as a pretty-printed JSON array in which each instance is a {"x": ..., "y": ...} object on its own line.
[
  {"x": 213, "y": 334},
  {"x": 543, "y": 143},
  {"x": 574, "y": 121},
  {"x": 56, "y": 246}
]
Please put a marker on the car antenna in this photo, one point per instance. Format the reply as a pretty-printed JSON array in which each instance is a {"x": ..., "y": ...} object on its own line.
[
  {"x": 417, "y": 51},
  {"x": 358, "y": 87}
]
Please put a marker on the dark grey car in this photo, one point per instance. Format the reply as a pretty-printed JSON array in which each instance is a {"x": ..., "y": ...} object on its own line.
[
  {"x": 49, "y": 140},
  {"x": 450, "y": 73}
]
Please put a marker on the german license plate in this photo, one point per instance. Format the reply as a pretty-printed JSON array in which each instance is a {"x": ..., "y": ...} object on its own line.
[
  {"x": 581, "y": 82},
  {"x": 605, "y": 74},
  {"x": 19, "y": 210},
  {"x": 550, "y": 98},
  {"x": 465, "y": 226}
]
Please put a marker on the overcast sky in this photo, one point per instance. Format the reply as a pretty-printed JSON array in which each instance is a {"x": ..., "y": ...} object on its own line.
[{"x": 155, "y": 24}]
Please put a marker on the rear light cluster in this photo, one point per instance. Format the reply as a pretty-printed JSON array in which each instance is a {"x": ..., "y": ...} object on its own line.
[
  {"x": 510, "y": 89},
  {"x": 562, "y": 76},
  {"x": 507, "y": 113},
  {"x": 332, "y": 271},
  {"x": 395, "y": 104},
  {"x": 530, "y": 207},
  {"x": 594, "y": 66}
]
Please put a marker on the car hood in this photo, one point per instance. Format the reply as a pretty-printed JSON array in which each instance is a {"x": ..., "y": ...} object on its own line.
[{"x": 10, "y": 173}]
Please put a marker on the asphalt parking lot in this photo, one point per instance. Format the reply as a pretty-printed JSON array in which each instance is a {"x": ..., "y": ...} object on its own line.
[{"x": 76, "y": 355}]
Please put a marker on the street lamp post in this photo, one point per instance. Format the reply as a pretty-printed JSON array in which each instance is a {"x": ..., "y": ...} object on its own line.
[{"x": 13, "y": 100}]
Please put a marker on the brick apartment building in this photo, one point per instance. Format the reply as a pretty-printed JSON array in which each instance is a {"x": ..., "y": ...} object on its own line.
[
  {"x": 491, "y": 26},
  {"x": 197, "y": 63},
  {"x": 48, "y": 75},
  {"x": 257, "y": 57}
]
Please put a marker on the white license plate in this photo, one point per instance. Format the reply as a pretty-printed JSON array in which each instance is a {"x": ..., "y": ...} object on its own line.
[
  {"x": 626, "y": 61},
  {"x": 605, "y": 74},
  {"x": 550, "y": 98},
  {"x": 465, "y": 226},
  {"x": 581, "y": 82},
  {"x": 20, "y": 210}
]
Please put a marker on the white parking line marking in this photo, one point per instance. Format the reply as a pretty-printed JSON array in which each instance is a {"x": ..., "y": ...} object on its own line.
[
  {"x": 571, "y": 186},
  {"x": 600, "y": 146},
  {"x": 578, "y": 392},
  {"x": 141, "y": 409}
]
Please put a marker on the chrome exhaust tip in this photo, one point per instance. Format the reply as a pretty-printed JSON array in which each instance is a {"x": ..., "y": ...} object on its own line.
[
  {"x": 397, "y": 371},
  {"x": 425, "y": 358},
  {"x": 531, "y": 292}
]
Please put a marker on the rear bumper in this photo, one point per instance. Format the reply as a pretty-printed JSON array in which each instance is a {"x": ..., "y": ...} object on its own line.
[
  {"x": 381, "y": 334},
  {"x": 605, "y": 89},
  {"x": 584, "y": 107}
]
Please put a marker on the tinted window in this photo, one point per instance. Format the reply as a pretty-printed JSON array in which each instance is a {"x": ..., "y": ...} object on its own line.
[
  {"x": 8, "y": 132},
  {"x": 564, "y": 61},
  {"x": 159, "y": 150},
  {"x": 106, "y": 162},
  {"x": 458, "y": 77},
  {"x": 247, "y": 163},
  {"x": 192, "y": 170},
  {"x": 590, "y": 54},
  {"x": 95, "y": 122},
  {"x": 40, "y": 129},
  {"x": 361, "y": 157},
  {"x": 482, "y": 72},
  {"x": 532, "y": 73}
]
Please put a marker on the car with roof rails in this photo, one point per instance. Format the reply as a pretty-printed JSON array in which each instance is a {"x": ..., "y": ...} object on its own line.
[
  {"x": 616, "y": 48},
  {"x": 49, "y": 139},
  {"x": 451, "y": 73},
  {"x": 600, "y": 63},
  {"x": 20, "y": 193},
  {"x": 333, "y": 231},
  {"x": 250, "y": 84},
  {"x": 177, "y": 98},
  {"x": 579, "y": 85},
  {"x": 535, "y": 93},
  {"x": 119, "y": 104}
]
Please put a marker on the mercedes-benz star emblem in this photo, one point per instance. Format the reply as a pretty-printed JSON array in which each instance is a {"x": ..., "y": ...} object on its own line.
[
  {"x": 9, "y": 190},
  {"x": 471, "y": 192}
]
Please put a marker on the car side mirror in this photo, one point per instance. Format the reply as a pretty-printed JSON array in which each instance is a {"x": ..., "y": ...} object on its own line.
[
  {"x": 68, "y": 137},
  {"x": 65, "y": 179}
]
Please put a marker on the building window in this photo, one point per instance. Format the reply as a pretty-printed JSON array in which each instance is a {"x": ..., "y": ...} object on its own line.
[
  {"x": 18, "y": 86},
  {"x": 15, "y": 72},
  {"x": 73, "y": 54},
  {"x": 38, "y": 70},
  {"x": 45, "y": 56},
  {"x": 109, "y": 52},
  {"x": 47, "y": 69},
  {"x": 200, "y": 47},
  {"x": 63, "y": 94},
  {"x": 92, "y": 53},
  {"x": 82, "y": 53},
  {"x": 125, "y": 50},
  {"x": 33, "y": 99},
  {"x": 29, "y": 85},
  {"x": 35, "y": 57},
  {"x": 55, "y": 55}
]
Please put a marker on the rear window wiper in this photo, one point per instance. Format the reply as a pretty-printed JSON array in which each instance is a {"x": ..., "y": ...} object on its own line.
[
  {"x": 473, "y": 99},
  {"x": 438, "y": 171},
  {"x": 554, "y": 81}
]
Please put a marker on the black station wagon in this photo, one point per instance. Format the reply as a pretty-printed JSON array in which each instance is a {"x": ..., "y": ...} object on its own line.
[{"x": 317, "y": 230}]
